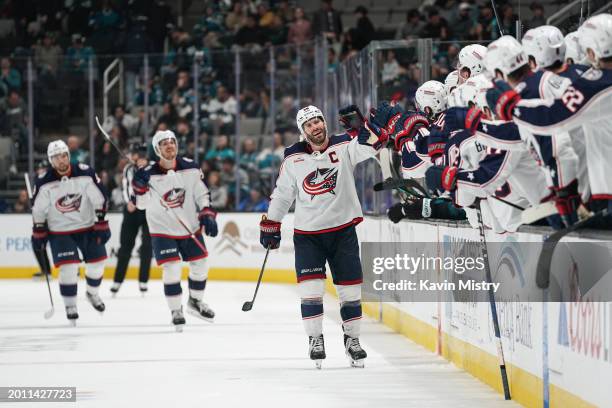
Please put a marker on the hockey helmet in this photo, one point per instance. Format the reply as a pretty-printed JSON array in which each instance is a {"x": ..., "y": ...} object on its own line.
[
  {"x": 545, "y": 44},
  {"x": 307, "y": 113},
  {"x": 159, "y": 137},
  {"x": 431, "y": 95},
  {"x": 573, "y": 49},
  {"x": 505, "y": 54},
  {"x": 596, "y": 34},
  {"x": 451, "y": 81},
  {"x": 472, "y": 57},
  {"x": 55, "y": 148}
]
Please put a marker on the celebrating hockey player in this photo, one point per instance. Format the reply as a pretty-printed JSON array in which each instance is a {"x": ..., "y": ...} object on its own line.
[
  {"x": 177, "y": 204},
  {"x": 69, "y": 206},
  {"x": 317, "y": 174},
  {"x": 133, "y": 221}
]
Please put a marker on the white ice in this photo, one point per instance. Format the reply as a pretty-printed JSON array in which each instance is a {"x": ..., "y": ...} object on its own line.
[{"x": 132, "y": 357}]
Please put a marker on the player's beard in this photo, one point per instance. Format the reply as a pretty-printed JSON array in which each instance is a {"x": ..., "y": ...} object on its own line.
[{"x": 317, "y": 139}]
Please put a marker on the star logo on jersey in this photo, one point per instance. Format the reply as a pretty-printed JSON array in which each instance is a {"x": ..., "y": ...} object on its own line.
[
  {"x": 68, "y": 203},
  {"x": 175, "y": 198},
  {"x": 320, "y": 181},
  {"x": 470, "y": 176},
  {"x": 485, "y": 128}
]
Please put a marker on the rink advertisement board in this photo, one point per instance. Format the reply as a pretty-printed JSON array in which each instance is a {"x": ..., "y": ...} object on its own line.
[
  {"x": 235, "y": 253},
  {"x": 557, "y": 353}
]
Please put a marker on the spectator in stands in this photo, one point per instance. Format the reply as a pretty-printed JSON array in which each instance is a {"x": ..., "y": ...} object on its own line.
[
  {"x": 236, "y": 18},
  {"x": 538, "y": 18},
  {"x": 464, "y": 25},
  {"x": 47, "y": 55},
  {"x": 248, "y": 155},
  {"x": 77, "y": 61},
  {"x": 182, "y": 95},
  {"x": 250, "y": 35},
  {"x": 285, "y": 11},
  {"x": 221, "y": 110},
  {"x": 364, "y": 31},
  {"x": 254, "y": 202},
  {"x": 213, "y": 20},
  {"x": 285, "y": 116},
  {"x": 412, "y": 27},
  {"x": 391, "y": 68},
  {"x": 10, "y": 77},
  {"x": 327, "y": 22},
  {"x": 121, "y": 117},
  {"x": 485, "y": 23},
  {"x": 77, "y": 155},
  {"x": 22, "y": 205},
  {"x": 300, "y": 30},
  {"x": 508, "y": 22},
  {"x": 13, "y": 112},
  {"x": 230, "y": 174},
  {"x": 265, "y": 15},
  {"x": 250, "y": 105},
  {"x": 436, "y": 27},
  {"x": 168, "y": 117},
  {"x": 220, "y": 151},
  {"x": 218, "y": 192},
  {"x": 105, "y": 24},
  {"x": 270, "y": 158},
  {"x": 184, "y": 135}
]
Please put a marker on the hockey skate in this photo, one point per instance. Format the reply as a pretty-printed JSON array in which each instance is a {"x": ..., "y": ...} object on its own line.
[
  {"x": 72, "y": 315},
  {"x": 200, "y": 309},
  {"x": 354, "y": 351},
  {"x": 316, "y": 349},
  {"x": 142, "y": 286},
  {"x": 96, "y": 302},
  {"x": 115, "y": 288},
  {"x": 178, "y": 319}
]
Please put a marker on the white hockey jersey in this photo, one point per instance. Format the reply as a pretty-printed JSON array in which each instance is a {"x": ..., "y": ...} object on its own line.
[
  {"x": 181, "y": 189},
  {"x": 322, "y": 185},
  {"x": 68, "y": 203}
]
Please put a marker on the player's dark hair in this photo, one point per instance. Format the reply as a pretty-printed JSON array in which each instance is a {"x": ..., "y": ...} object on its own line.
[
  {"x": 554, "y": 66},
  {"x": 519, "y": 73}
]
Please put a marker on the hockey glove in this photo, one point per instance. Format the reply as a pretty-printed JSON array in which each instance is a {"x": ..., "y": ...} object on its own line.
[
  {"x": 502, "y": 99},
  {"x": 385, "y": 115},
  {"x": 351, "y": 119},
  {"x": 567, "y": 201},
  {"x": 40, "y": 236},
  {"x": 208, "y": 220},
  {"x": 457, "y": 118},
  {"x": 440, "y": 179},
  {"x": 406, "y": 128},
  {"x": 270, "y": 233},
  {"x": 372, "y": 135},
  {"x": 436, "y": 142},
  {"x": 140, "y": 182},
  {"x": 101, "y": 231}
]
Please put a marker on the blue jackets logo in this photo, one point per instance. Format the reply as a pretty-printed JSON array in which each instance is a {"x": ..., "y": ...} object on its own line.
[
  {"x": 68, "y": 203},
  {"x": 320, "y": 181},
  {"x": 175, "y": 197}
]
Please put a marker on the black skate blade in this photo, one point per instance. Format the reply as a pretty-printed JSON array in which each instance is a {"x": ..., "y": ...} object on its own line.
[
  {"x": 248, "y": 305},
  {"x": 199, "y": 316}
]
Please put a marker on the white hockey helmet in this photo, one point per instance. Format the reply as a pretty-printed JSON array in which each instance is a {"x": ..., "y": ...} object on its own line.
[
  {"x": 431, "y": 95},
  {"x": 505, "y": 54},
  {"x": 573, "y": 49},
  {"x": 472, "y": 57},
  {"x": 481, "y": 83},
  {"x": 159, "y": 137},
  {"x": 596, "y": 34},
  {"x": 467, "y": 92},
  {"x": 545, "y": 44},
  {"x": 307, "y": 113},
  {"x": 451, "y": 81},
  {"x": 57, "y": 147}
]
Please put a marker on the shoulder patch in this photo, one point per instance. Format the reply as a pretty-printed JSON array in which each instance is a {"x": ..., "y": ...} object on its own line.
[
  {"x": 83, "y": 166},
  {"x": 187, "y": 159},
  {"x": 337, "y": 139},
  {"x": 555, "y": 81},
  {"x": 593, "y": 74}
]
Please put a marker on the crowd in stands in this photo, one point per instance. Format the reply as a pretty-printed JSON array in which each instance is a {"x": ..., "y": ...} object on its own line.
[{"x": 64, "y": 36}]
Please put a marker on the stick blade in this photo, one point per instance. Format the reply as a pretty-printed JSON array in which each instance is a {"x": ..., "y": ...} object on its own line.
[
  {"x": 247, "y": 306},
  {"x": 49, "y": 313}
]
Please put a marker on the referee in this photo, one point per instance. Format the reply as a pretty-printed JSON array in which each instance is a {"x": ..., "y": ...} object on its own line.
[{"x": 133, "y": 220}]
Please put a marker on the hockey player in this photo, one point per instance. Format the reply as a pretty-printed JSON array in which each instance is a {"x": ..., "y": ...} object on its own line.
[
  {"x": 583, "y": 104},
  {"x": 573, "y": 52},
  {"x": 173, "y": 193},
  {"x": 451, "y": 81},
  {"x": 133, "y": 221},
  {"x": 471, "y": 61},
  {"x": 69, "y": 206},
  {"x": 317, "y": 173}
]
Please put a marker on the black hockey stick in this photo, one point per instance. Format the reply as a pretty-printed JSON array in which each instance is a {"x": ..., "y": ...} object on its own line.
[
  {"x": 489, "y": 279},
  {"x": 41, "y": 257},
  {"x": 408, "y": 186},
  {"x": 550, "y": 244},
  {"x": 176, "y": 216},
  {"x": 248, "y": 305}
]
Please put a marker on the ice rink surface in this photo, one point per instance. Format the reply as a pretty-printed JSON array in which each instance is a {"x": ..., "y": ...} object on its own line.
[{"x": 132, "y": 357}]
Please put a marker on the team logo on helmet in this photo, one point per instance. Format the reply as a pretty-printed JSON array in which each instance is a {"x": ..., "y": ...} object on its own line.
[
  {"x": 320, "y": 181},
  {"x": 175, "y": 197},
  {"x": 68, "y": 203}
]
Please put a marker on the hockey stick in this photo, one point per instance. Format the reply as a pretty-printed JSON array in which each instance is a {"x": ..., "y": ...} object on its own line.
[
  {"x": 176, "y": 216},
  {"x": 41, "y": 257},
  {"x": 248, "y": 305},
  {"x": 409, "y": 186},
  {"x": 550, "y": 244},
  {"x": 489, "y": 279}
]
